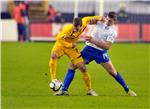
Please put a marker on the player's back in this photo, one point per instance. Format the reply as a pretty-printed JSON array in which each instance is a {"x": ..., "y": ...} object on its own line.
[{"x": 68, "y": 34}]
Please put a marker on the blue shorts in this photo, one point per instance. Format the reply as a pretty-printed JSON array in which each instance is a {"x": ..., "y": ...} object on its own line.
[{"x": 89, "y": 54}]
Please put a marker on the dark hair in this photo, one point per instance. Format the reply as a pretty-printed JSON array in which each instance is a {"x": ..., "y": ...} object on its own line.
[
  {"x": 112, "y": 15},
  {"x": 17, "y": 2},
  {"x": 77, "y": 22}
]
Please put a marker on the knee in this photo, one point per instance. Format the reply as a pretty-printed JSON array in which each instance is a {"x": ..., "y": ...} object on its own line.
[
  {"x": 54, "y": 56},
  {"x": 82, "y": 68},
  {"x": 53, "y": 59},
  {"x": 112, "y": 72},
  {"x": 72, "y": 66}
]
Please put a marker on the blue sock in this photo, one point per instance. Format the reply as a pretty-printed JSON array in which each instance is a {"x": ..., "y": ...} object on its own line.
[
  {"x": 68, "y": 79},
  {"x": 121, "y": 81}
]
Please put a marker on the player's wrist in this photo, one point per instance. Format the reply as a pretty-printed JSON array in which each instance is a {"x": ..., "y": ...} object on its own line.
[
  {"x": 92, "y": 41},
  {"x": 88, "y": 38}
]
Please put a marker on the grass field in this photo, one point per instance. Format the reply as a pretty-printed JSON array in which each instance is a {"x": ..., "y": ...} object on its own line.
[{"x": 25, "y": 85}]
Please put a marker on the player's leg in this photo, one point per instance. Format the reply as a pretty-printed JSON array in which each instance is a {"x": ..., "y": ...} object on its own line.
[
  {"x": 24, "y": 32},
  {"x": 86, "y": 75},
  {"x": 77, "y": 62},
  {"x": 72, "y": 67},
  {"x": 19, "y": 32},
  {"x": 56, "y": 53},
  {"x": 69, "y": 76},
  {"x": 112, "y": 71},
  {"x": 52, "y": 65},
  {"x": 87, "y": 79},
  {"x": 67, "y": 81}
]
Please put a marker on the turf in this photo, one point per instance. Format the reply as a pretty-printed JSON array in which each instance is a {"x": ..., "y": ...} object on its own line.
[{"x": 25, "y": 78}]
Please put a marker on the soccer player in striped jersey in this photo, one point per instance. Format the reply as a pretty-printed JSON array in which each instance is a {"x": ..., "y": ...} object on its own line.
[
  {"x": 65, "y": 44},
  {"x": 97, "y": 45}
]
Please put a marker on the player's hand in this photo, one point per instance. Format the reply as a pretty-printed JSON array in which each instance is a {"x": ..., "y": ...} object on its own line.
[
  {"x": 103, "y": 19},
  {"x": 93, "y": 21},
  {"x": 88, "y": 38},
  {"x": 74, "y": 45}
]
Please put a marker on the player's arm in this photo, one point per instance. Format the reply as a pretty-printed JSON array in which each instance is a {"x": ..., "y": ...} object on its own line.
[
  {"x": 91, "y": 19},
  {"x": 68, "y": 44},
  {"x": 101, "y": 43}
]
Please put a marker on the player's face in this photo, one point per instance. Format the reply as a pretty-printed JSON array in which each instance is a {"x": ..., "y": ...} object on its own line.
[
  {"x": 109, "y": 21},
  {"x": 77, "y": 28}
]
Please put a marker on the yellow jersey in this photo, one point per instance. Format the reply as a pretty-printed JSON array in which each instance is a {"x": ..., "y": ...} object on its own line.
[{"x": 67, "y": 36}]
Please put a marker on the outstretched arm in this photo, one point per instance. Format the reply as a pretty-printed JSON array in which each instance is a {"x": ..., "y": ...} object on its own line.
[
  {"x": 91, "y": 19},
  {"x": 100, "y": 43}
]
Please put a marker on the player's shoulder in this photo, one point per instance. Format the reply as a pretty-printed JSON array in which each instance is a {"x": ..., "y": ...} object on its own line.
[
  {"x": 85, "y": 19},
  {"x": 68, "y": 27}
]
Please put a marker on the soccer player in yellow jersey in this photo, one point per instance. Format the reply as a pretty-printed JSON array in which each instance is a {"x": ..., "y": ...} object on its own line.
[{"x": 66, "y": 42}]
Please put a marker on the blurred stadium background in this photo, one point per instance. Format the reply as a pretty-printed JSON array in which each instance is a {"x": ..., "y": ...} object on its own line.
[
  {"x": 24, "y": 66},
  {"x": 46, "y": 18}
]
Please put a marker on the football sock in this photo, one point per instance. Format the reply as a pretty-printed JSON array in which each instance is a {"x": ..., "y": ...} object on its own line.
[
  {"x": 68, "y": 79},
  {"x": 121, "y": 81},
  {"x": 86, "y": 78},
  {"x": 52, "y": 65}
]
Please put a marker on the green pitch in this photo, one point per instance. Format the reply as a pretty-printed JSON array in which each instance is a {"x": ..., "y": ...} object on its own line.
[{"x": 25, "y": 79}]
